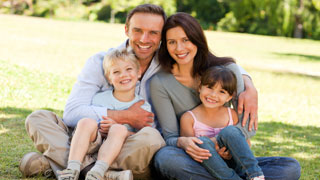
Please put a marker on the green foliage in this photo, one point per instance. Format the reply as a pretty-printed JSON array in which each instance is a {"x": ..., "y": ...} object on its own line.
[{"x": 273, "y": 17}]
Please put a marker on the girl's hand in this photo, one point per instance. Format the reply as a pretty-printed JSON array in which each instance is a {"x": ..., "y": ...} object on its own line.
[
  {"x": 222, "y": 152},
  {"x": 189, "y": 145},
  {"x": 105, "y": 124}
]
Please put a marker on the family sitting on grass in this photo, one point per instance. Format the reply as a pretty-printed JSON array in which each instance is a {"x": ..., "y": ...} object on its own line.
[{"x": 108, "y": 130}]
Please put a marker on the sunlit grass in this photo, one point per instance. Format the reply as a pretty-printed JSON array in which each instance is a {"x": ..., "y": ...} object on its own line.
[{"x": 40, "y": 59}]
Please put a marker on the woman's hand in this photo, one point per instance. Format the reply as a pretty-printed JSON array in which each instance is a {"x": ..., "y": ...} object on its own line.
[
  {"x": 189, "y": 144},
  {"x": 105, "y": 124}
]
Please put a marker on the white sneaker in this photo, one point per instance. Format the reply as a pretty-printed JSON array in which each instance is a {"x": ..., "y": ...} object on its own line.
[
  {"x": 119, "y": 175},
  {"x": 258, "y": 178}
]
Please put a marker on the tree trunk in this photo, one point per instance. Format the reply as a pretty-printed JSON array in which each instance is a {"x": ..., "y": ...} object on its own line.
[{"x": 298, "y": 31}]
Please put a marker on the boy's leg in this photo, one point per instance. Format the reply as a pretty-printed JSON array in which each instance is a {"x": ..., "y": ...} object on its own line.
[
  {"x": 137, "y": 152},
  {"x": 215, "y": 165},
  {"x": 51, "y": 137},
  {"x": 110, "y": 149},
  {"x": 86, "y": 132},
  {"x": 245, "y": 162}
]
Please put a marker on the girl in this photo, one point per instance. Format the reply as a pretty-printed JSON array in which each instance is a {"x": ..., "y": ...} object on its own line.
[{"x": 212, "y": 123}]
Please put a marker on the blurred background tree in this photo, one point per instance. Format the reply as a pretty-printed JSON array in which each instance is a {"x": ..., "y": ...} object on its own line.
[{"x": 290, "y": 18}]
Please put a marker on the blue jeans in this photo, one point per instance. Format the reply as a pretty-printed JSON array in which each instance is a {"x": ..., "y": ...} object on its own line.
[
  {"x": 243, "y": 162},
  {"x": 172, "y": 162}
]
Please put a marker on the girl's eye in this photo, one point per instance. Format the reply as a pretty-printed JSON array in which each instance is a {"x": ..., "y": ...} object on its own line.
[{"x": 223, "y": 92}]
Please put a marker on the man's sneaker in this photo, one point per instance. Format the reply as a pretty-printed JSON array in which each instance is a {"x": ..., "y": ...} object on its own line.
[
  {"x": 34, "y": 163},
  {"x": 119, "y": 175},
  {"x": 68, "y": 174},
  {"x": 258, "y": 178},
  {"x": 92, "y": 175}
]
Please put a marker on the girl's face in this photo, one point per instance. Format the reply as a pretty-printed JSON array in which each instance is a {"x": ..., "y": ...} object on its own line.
[
  {"x": 180, "y": 48},
  {"x": 214, "y": 97},
  {"x": 123, "y": 75}
]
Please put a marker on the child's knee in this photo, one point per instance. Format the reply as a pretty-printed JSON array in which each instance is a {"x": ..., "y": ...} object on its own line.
[
  {"x": 118, "y": 129},
  {"x": 87, "y": 124}
]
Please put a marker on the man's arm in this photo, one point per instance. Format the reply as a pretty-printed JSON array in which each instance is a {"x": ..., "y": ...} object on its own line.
[
  {"x": 135, "y": 116},
  {"x": 248, "y": 101},
  {"x": 89, "y": 82}
]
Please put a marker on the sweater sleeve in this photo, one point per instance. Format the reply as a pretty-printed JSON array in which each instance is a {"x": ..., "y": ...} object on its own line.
[
  {"x": 164, "y": 111},
  {"x": 240, "y": 88},
  {"x": 89, "y": 82}
]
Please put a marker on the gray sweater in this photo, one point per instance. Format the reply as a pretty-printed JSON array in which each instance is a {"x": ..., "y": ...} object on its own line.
[{"x": 171, "y": 99}]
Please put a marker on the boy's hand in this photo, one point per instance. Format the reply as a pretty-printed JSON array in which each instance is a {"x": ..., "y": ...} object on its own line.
[{"x": 105, "y": 124}]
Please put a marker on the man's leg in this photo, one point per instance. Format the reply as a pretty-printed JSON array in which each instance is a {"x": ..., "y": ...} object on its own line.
[
  {"x": 137, "y": 152},
  {"x": 280, "y": 168},
  {"x": 50, "y": 136},
  {"x": 173, "y": 163}
]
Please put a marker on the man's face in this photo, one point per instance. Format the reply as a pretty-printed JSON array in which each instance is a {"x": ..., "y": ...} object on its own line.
[{"x": 144, "y": 33}]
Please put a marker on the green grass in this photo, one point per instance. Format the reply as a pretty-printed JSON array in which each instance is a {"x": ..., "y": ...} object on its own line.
[{"x": 40, "y": 59}]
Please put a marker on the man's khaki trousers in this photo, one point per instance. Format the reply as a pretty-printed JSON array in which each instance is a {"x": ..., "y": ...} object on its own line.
[{"x": 52, "y": 138}]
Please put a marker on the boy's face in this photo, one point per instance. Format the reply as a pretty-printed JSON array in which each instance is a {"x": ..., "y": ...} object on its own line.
[
  {"x": 144, "y": 33},
  {"x": 214, "y": 97},
  {"x": 123, "y": 75}
]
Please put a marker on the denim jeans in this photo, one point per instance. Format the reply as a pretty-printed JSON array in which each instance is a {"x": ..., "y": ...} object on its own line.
[
  {"x": 172, "y": 162},
  {"x": 243, "y": 162}
]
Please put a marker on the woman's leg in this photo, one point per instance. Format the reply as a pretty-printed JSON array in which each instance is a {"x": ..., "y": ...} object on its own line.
[
  {"x": 172, "y": 162},
  {"x": 215, "y": 165}
]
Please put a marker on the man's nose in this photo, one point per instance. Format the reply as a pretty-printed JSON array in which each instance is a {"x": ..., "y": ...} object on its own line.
[{"x": 144, "y": 38}]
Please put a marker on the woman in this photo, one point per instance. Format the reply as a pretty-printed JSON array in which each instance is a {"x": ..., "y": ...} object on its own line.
[{"x": 184, "y": 56}]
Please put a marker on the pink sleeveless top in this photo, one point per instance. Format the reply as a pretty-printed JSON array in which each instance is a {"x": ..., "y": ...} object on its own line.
[{"x": 201, "y": 129}]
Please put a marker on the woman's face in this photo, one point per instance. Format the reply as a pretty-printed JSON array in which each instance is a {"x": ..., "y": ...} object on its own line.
[{"x": 180, "y": 48}]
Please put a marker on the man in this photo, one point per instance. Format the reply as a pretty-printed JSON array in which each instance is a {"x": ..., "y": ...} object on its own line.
[{"x": 51, "y": 135}]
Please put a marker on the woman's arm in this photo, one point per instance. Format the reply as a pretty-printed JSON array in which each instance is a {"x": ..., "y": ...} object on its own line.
[{"x": 164, "y": 111}]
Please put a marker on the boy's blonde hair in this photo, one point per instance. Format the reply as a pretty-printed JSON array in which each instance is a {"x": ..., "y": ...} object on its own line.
[{"x": 114, "y": 55}]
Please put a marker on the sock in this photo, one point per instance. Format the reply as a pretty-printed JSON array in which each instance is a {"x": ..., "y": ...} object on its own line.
[
  {"x": 74, "y": 165},
  {"x": 100, "y": 167}
]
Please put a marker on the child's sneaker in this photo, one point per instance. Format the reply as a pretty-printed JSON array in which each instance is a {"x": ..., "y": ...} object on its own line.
[
  {"x": 119, "y": 175},
  {"x": 68, "y": 174},
  {"x": 92, "y": 175},
  {"x": 258, "y": 178}
]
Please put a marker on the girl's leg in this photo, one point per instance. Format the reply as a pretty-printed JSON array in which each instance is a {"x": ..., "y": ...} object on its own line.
[
  {"x": 245, "y": 162},
  {"x": 215, "y": 165}
]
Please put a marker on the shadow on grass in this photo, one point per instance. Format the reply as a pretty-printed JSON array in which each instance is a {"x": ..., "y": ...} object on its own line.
[
  {"x": 303, "y": 57},
  {"x": 22, "y": 113},
  {"x": 299, "y": 142}
]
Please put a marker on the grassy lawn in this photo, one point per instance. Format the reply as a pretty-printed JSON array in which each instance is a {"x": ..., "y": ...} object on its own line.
[{"x": 40, "y": 59}]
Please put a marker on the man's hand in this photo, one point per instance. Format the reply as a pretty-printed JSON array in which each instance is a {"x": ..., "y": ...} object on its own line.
[
  {"x": 189, "y": 145},
  {"x": 105, "y": 124},
  {"x": 248, "y": 102},
  {"x": 134, "y": 116},
  {"x": 222, "y": 152}
]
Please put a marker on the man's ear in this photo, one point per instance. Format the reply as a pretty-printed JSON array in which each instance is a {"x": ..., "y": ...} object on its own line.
[{"x": 126, "y": 29}]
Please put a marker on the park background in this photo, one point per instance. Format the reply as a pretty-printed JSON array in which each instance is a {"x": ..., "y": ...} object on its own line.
[{"x": 44, "y": 45}]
